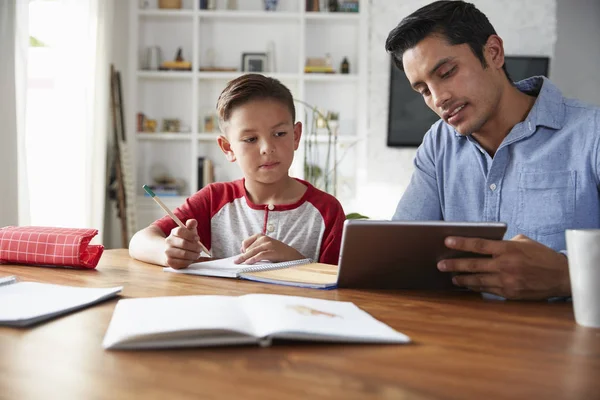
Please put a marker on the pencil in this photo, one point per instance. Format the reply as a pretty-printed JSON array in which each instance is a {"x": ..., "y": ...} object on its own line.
[{"x": 170, "y": 214}]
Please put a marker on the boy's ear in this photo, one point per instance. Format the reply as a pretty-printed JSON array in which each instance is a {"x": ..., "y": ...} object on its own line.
[
  {"x": 226, "y": 148},
  {"x": 297, "y": 134}
]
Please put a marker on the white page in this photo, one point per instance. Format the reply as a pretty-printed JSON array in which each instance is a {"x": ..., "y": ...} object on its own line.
[
  {"x": 223, "y": 267},
  {"x": 23, "y": 301},
  {"x": 175, "y": 319},
  {"x": 302, "y": 317}
]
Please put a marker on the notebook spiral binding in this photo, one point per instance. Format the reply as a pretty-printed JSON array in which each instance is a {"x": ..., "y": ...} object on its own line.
[{"x": 272, "y": 267}]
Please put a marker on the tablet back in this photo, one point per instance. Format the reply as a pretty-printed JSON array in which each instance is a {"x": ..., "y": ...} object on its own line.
[{"x": 403, "y": 255}]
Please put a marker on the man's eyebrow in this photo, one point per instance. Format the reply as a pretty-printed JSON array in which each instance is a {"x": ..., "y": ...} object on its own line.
[{"x": 435, "y": 68}]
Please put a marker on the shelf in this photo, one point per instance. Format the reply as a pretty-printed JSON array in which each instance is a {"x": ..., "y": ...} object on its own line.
[
  {"x": 208, "y": 136},
  {"x": 166, "y": 13},
  {"x": 163, "y": 136},
  {"x": 232, "y": 75},
  {"x": 249, "y": 15},
  {"x": 164, "y": 74},
  {"x": 332, "y": 16},
  {"x": 316, "y": 77}
]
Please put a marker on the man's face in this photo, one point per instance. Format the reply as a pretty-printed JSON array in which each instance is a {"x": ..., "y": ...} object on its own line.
[
  {"x": 453, "y": 83},
  {"x": 261, "y": 137}
]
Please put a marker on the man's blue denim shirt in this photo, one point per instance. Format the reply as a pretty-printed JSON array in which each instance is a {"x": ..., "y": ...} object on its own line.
[{"x": 543, "y": 179}]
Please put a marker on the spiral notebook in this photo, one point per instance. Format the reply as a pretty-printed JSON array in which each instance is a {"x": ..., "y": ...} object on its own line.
[{"x": 301, "y": 273}]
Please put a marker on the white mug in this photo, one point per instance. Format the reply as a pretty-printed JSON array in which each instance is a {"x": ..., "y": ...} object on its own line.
[{"x": 583, "y": 250}]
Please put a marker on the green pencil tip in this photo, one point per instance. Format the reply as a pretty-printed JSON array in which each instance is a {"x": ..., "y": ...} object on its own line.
[{"x": 148, "y": 190}]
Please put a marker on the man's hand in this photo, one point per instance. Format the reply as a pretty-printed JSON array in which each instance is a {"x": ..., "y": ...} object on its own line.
[
  {"x": 183, "y": 246},
  {"x": 260, "y": 247},
  {"x": 520, "y": 268}
]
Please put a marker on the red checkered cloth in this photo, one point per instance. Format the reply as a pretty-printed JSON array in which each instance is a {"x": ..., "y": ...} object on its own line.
[{"x": 38, "y": 245}]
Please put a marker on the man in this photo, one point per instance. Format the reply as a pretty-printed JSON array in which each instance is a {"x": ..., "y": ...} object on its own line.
[{"x": 521, "y": 154}]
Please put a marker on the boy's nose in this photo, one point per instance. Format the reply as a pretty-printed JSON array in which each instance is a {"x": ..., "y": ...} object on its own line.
[{"x": 267, "y": 147}]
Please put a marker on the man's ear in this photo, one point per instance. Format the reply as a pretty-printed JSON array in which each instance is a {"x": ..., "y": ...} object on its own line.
[
  {"x": 297, "y": 134},
  {"x": 494, "y": 51},
  {"x": 226, "y": 148}
]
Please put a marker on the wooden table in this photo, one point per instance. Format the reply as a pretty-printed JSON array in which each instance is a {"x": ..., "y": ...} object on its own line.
[{"x": 464, "y": 348}]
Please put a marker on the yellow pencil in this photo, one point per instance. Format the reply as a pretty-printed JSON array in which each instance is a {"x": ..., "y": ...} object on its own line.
[{"x": 170, "y": 214}]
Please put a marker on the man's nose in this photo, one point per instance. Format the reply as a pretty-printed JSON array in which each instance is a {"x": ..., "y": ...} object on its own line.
[{"x": 440, "y": 97}]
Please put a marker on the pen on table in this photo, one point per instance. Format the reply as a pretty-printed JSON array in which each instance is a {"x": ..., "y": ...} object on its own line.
[{"x": 170, "y": 214}]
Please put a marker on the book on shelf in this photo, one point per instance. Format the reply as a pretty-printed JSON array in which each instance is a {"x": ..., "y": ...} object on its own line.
[
  {"x": 299, "y": 273},
  {"x": 27, "y": 303},
  {"x": 212, "y": 320},
  {"x": 206, "y": 172}
]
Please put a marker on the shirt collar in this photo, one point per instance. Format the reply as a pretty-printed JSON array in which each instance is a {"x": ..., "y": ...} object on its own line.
[{"x": 548, "y": 109}]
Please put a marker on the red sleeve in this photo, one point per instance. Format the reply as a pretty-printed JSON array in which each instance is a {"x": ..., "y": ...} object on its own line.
[
  {"x": 202, "y": 206},
  {"x": 333, "y": 216}
]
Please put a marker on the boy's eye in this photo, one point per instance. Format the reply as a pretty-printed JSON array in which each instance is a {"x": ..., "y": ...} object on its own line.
[
  {"x": 249, "y": 140},
  {"x": 278, "y": 134}
]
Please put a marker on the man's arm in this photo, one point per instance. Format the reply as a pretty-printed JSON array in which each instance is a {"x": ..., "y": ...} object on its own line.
[
  {"x": 421, "y": 200},
  {"x": 520, "y": 268}
]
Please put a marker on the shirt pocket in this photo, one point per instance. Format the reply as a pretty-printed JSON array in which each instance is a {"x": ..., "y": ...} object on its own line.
[{"x": 546, "y": 201}]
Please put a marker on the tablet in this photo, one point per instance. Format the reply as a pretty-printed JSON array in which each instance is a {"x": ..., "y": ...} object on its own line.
[{"x": 404, "y": 255}]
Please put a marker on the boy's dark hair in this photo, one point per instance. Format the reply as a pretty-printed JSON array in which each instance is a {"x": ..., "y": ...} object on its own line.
[
  {"x": 456, "y": 21},
  {"x": 252, "y": 87}
]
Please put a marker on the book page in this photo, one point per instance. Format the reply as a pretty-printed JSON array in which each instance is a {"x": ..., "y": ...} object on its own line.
[
  {"x": 224, "y": 267},
  {"x": 306, "y": 318},
  {"x": 176, "y": 319}
]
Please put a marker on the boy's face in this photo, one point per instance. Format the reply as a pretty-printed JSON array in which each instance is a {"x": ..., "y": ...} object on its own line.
[
  {"x": 453, "y": 82},
  {"x": 261, "y": 136}
]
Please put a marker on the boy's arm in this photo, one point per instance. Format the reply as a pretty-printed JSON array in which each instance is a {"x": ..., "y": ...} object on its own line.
[
  {"x": 332, "y": 239},
  {"x": 149, "y": 245},
  {"x": 178, "y": 250}
]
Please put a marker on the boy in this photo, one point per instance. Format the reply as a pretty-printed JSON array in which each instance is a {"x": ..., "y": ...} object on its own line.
[{"x": 267, "y": 215}]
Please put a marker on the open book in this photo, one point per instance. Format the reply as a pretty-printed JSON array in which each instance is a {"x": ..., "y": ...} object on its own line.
[
  {"x": 185, "y": 321},
  {"x": 27, "y": 303},
  {"x": 302, "y": 273}
]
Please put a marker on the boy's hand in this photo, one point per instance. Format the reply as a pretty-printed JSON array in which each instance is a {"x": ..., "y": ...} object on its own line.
[
  {"x": 183, "y": 246},
  {"x": 260, "y": 247}
]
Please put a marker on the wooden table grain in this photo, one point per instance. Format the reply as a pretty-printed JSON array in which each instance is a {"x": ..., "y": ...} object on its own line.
[{"x": 464, "y": 347}]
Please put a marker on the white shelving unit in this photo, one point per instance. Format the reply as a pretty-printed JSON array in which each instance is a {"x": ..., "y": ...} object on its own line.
[{"x": 190, "y": 95}]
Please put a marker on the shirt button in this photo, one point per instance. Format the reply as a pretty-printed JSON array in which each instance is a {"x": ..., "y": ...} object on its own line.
[
  {"x": 271, "y": 207},
  {"x": 270, "y": 228},
  {"x": 493, "y": 186}
]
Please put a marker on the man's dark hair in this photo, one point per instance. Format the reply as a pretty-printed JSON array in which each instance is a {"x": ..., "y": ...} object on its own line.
[{"x": 456, "y": 21}]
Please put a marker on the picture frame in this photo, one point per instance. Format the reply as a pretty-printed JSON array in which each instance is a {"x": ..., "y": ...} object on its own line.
[
  {"x": 171, "y": 125},
  {"x": 254, "y": 62}
]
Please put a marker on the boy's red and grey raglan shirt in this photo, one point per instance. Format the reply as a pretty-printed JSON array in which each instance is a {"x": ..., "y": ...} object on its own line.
[{"x": 226, "y": 217}]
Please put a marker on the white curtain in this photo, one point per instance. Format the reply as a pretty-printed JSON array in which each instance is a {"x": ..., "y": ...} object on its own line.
[
  {"x": 68, "y": 125},
  {"x": 13, "y": 83}
]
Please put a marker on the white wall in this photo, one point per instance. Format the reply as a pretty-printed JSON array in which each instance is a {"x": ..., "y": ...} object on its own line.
[
  {"x": 119, "y": 58},
  {"x": 8, "y": 124},
  {"x": 577, "y": 55},
  {"x": 527, "y": 27}
]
